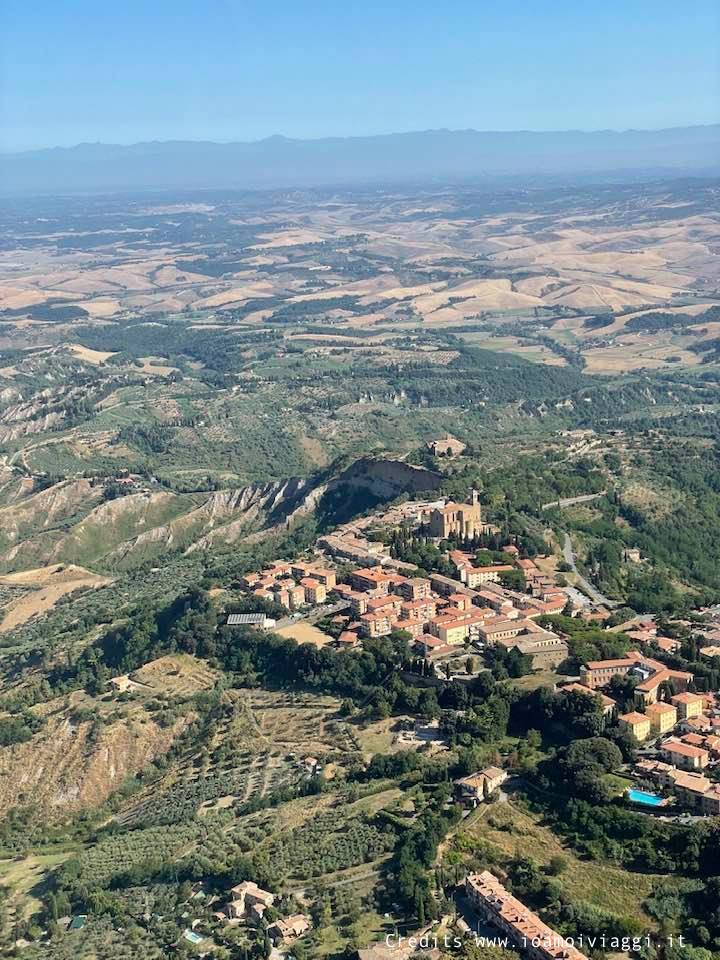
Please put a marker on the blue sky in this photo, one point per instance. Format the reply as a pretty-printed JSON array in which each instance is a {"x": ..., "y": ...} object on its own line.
[{"x": 84, "y": 70}]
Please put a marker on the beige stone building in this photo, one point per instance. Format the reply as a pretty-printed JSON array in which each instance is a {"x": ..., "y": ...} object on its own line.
[
  {"x": 477, "y": 787},
  {"x": 248, "y": 900},
  {"x": 458, "y": 519}
]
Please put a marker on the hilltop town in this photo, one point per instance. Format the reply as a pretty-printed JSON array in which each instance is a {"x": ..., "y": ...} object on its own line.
[
  {"x": 377, "y": 709},
  {"x": 443, "y": 616},
  {"x": 452, "y": 622},
  {"x": 497, "y": 609}
]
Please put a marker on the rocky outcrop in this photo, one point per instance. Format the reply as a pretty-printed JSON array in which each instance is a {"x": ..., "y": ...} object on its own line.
[
  {"x": 387, "y": 478},
  {"x": 45, "y": 508},
  {"x": 130, "y": 530}
]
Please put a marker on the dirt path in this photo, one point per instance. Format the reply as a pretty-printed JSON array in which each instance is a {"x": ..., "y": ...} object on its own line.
[
  {"x": 479, "y": 813},
  {"x": 571, "y": 501}
]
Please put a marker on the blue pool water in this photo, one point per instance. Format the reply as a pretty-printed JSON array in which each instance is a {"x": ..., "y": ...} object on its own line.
[{"x": 648, "y": 799}]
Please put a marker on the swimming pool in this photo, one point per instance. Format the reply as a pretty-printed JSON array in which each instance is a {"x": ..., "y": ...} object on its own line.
[{"x": 647, "y": 799}]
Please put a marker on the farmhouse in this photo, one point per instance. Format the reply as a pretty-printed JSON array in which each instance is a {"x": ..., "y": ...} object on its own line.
[
  {"x": 457, "y": 519},
  {"x": 478, "y": 786},
  {"x": 290, "y": 928},
  {"x": 249, "y": 900}
]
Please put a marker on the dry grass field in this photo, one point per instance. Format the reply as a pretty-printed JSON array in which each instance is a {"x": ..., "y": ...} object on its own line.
[
  {"x": 178, "y": 674},
  {"x": 45, "y": 586},
  {"x": 518, "y": 833},
  {"x": 90, "y": 356},
  {"x": 305, "y": 633},
  {"x": 75, "y": 762},
  {"x": 638, "y": 352},
  {"x": 594, "y": 257}
]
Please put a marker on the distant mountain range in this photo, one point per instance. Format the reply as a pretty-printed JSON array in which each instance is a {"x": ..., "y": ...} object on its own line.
[{"x": 423, "y": 156}]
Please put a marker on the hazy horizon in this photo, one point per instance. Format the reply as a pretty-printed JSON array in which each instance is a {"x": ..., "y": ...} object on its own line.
[
  {"x": 366, "y": 136},
  {"x": 229, "y": 73},
  {"x": 279, "y": 162}
]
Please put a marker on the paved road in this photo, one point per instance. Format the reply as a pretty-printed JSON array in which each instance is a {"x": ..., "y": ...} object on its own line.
[
  {"x": 594, "y": 593},
  {"x": 569, "y": 501},
  {"x": 315, "y": 615},
  {"x": 578, "y": 598}
]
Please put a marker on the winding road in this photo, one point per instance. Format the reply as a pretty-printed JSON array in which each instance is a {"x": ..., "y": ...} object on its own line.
[
  {"x": 592, "y": 591},
  {"x": 571, "y": 501}
]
